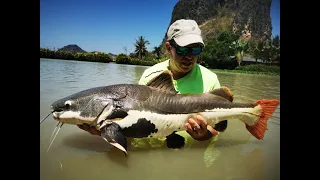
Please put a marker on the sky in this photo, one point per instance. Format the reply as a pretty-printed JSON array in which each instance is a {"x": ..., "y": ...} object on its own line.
[{"x": 111, "y": 26}]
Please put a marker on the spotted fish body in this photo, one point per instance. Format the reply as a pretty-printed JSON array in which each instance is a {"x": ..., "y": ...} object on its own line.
[
  {"x": 165, "y": 112},
  {"x": 156, "y": 110}
]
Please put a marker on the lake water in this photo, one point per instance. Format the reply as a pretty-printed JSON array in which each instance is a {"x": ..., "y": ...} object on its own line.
[{"x": 76, "y": 154}]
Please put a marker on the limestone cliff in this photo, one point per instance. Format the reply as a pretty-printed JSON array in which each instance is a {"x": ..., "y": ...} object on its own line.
[{"x": 249, "y": 17}]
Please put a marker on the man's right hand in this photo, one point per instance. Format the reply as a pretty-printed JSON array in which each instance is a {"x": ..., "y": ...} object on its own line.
[
  {"x": 91, "y": 129},
  {"x": 199, "y": 129}
]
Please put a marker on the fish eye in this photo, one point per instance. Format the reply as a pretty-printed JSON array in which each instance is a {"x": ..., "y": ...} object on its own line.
[{"x": 68, "y": 104}]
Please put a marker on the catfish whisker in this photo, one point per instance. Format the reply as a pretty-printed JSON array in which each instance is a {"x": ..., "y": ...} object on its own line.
[
  {"x": 54, "y": 130},
  {"x": 55, "y": 136},
  {"x": 46, "y": 117}
]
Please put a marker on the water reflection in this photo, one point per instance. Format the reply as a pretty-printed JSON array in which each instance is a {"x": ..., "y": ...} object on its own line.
[{"x": 76, "y": 154}]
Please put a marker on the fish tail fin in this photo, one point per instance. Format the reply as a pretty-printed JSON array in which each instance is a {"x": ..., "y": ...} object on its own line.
[{"x": 268, "y": 108}]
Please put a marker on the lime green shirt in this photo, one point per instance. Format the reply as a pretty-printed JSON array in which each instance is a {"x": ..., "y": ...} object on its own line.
[{"x": 198, "y": 81}]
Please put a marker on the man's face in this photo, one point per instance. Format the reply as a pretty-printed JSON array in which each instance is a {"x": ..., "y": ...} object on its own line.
[{"x": 183, "y": 58}]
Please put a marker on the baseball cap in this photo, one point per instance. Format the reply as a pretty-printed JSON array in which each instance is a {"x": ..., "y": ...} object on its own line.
[{"x": 184, "y": 32}]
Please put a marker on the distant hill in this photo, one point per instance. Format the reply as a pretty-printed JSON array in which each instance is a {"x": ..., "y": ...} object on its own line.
[
  {"x": 112, "y": 56},
  {"x": 72, "y": 48},
  {"x": 76, "y": 49}
]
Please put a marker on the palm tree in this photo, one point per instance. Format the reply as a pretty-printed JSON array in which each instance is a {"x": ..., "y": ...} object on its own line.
[
  {"x": 157, "y": 51},
  {"x": 239, "y": 47},
  {"x": 140, "y": 47}
]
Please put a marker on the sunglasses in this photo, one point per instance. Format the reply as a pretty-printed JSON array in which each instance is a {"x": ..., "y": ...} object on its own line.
[{"x": 182, "y": 51}]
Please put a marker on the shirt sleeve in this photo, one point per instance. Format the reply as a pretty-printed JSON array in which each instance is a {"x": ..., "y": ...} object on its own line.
[
  {"x": 143, "y": 80},
  {"x": 216, "y": 83},
  {"x": 147, "y": 76}
]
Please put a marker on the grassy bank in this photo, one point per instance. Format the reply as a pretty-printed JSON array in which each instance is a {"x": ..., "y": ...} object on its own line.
[
  {"x": 246, "y": 72},
  {"x": 258, "y": 69}
]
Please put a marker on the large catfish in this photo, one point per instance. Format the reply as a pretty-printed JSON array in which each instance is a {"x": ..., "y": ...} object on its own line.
[{"x": 156, "y": 110}]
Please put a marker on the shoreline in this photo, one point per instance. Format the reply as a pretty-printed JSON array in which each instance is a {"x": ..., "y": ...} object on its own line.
[{"x": 214, "y": 70}]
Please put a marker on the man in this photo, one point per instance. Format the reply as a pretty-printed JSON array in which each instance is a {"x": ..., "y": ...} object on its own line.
[{"x": 184, "y": 44}]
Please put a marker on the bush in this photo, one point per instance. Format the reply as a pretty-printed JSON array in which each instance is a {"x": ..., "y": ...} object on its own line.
[
  {"x": 122, "y": 59},
  {"x": 136, "y": 61}
]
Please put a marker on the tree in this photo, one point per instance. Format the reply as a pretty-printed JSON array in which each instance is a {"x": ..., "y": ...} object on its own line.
[
  {"x": 276, "y": 41},
  {"x": 157, "y": 51},
  {"x": 239, "y": 47},
  {"x": 271, "y": 50},
  {"x": 140, "y": 47},
  {"x": 216, "y": 53},
  {"x": 258, "y": 49}
]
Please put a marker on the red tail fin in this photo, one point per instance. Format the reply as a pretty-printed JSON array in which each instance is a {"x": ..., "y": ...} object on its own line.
[{"x": 268, "y": 107}]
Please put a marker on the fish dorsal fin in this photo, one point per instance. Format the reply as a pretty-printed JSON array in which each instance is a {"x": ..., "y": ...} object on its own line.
[
  {"x": 164, "y": 81},
  {"x": 223, "y": 92}
]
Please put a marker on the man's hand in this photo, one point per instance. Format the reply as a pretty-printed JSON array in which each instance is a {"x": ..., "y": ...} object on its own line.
[
  {"x": 199, "y": 130},
  {"x": 90, "y": 129}
]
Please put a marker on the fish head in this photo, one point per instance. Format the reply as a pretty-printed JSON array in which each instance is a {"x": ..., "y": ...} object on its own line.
[{"x": 82, "y": 108}]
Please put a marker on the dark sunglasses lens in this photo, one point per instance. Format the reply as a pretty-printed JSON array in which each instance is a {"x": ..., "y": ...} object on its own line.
[
  {"x": 181, "y": 51},
  {"x": 196, "y": 50}
]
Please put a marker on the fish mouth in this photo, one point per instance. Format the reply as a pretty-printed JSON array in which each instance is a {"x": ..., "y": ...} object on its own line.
[
  {"x": 55, "y": 115},
  {"x": 56, "y": 112},
  {"x": 74, "y": 119}
]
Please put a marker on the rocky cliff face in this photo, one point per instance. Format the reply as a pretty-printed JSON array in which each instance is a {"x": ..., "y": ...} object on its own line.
[
  {"x": 249, "y": 17},
  {"x": 253, "y": 16}
]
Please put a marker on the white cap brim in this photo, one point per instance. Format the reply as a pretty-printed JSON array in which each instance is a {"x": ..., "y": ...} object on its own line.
[{"x": 188, "y": 39}]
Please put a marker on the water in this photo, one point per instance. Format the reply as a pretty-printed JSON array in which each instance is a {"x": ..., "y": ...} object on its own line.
[{"x": 76, "y": 154}]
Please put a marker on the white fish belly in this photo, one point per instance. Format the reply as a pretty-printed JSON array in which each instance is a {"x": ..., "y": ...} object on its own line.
[
  {"x": 165, "y": 124},
  {"x": 246, "y": 115},
  {"x": 168, "y": 123}
]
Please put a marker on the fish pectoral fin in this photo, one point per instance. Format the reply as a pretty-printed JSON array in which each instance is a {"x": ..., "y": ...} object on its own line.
[
  {"x": 175, "y": 141},
  {"x": 113, "y": 135}
]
